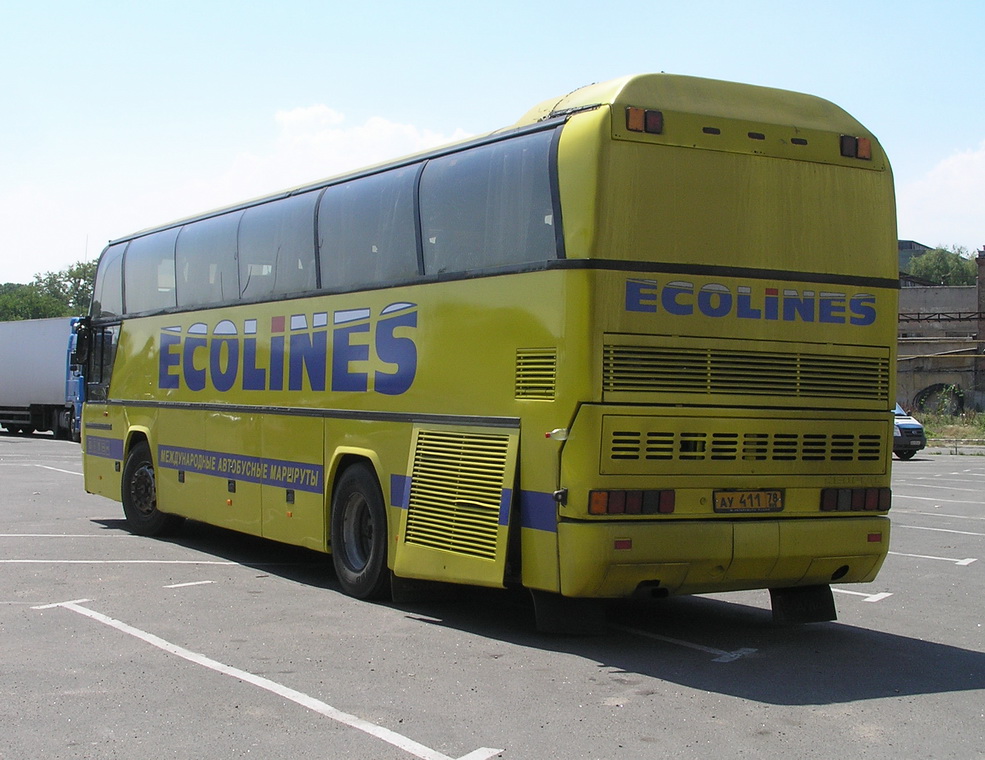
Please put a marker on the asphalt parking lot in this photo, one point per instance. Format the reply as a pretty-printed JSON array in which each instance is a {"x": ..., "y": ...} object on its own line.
[{"x": 212, "y": 644}]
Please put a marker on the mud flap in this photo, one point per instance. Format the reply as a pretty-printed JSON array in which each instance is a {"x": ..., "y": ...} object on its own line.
[{"x": 803, "y": 604}]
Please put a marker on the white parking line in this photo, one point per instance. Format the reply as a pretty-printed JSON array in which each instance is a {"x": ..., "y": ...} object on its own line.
[
  {"x": 962, "y": 562},
  {"x": 942, "y": 488},
  {"x": 936, "y": 500},
  {"x": 938, "y": 530},
  {"x": 186, "y": 585},
  {"x": 56, "y": 469},
  {"x": 938, "y": 514},
  {"x": 68, "y": 535},
  {"x": 120, "y": 562},
  {"x": 721, "y": 654},
  {"x": 379, "y": 732},
  {"x": 867, "y": 597}
]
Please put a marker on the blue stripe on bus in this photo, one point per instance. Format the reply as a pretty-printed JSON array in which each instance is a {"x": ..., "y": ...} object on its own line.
[
  {"x": 504, "y": 506},
  {"x": 538, "y": 511},
  {"x": 107, "y": 448},
  {"x": 282, "y": 473},
  {"x": 399, "y": 491}
]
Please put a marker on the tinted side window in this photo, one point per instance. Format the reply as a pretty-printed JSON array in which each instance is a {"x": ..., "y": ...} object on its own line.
[
  {"x": 148, "y": 272},
  {"x": 107, "y": 293},
  {"x": 277, "y": 247},
  {"x": 366, "y": 231},
  {"x": 205, "y": 261},
  {"x": 489, "y": 206}
]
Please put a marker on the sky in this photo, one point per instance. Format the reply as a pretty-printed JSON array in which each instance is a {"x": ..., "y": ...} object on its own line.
[{"x": 118, "y": 116}]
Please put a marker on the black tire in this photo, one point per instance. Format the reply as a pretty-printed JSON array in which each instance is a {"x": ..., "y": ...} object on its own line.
[
  {"x": 905, "y": 454},
  {"x": 139, "y": 489},
  {"x": 359, "y": 534}
]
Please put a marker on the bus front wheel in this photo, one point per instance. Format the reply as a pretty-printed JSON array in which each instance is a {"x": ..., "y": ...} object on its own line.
[
  {"x": 140, "y": 495},
  {"x": 359, "y": 534}
]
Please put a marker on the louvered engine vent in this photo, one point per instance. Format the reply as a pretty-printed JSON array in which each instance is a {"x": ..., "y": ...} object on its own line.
[
  {"x": 717, "y": 371},
  {"x": 686, "y": 446},
  {"x": 536, "y": 373},
  {"x": 456, "y": 492}
]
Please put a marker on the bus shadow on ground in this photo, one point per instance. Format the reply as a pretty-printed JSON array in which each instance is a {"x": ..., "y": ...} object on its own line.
[
  {"x": 682, "y": 640},
  {"x": 679, "y": 640},
  {"x": 293, "y": 563}
]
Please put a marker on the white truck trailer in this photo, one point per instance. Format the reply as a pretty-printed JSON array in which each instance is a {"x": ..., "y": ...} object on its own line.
[{"x": 40, "y": 387}]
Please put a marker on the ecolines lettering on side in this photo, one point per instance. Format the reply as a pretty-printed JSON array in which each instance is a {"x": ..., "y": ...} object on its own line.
[
  {"x": 225, "y": 357},
  {"x": 712, "y": 299}
]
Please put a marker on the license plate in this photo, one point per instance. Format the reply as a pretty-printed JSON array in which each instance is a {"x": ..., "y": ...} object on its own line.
[{"x": 748, "y": 501}]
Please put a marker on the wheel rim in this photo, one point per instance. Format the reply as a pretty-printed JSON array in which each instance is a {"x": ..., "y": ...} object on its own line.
[
  {"x": 143, "y": 496},
  {"x": 357, "y": 532}
]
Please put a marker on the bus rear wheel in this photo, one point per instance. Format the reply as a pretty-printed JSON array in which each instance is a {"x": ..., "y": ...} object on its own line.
[
  {"x": 140, "y": 495},
  {"x": 359, "y": 534}
]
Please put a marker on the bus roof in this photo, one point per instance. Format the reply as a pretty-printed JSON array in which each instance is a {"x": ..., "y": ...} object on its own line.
[
  {"x": 709, "y": 97},
  {"x": 685, "y": 94}
]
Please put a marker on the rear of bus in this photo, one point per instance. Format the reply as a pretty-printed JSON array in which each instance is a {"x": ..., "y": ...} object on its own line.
[{"x": 735, "y": 249}]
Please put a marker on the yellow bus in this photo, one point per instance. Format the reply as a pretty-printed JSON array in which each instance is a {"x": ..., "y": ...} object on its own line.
[{"x": 639, "y": 343}]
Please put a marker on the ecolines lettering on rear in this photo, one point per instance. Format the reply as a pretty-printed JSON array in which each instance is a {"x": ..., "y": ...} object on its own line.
[
  {"x": 296, "y": 353},
  {"x": 712, "y": 299}
]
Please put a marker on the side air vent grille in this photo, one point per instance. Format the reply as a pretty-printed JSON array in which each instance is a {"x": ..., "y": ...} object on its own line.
[
  {"x": 536, "y": 373},
  {"x": 456, "y": 492},
  {"x": 642, "y": 370}
]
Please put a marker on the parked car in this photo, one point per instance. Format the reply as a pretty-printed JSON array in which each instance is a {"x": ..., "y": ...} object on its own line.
[{"x": 908, "y": 435}]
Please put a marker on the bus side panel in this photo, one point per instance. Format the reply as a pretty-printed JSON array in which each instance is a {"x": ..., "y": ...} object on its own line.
[
  {"x": 539, "y": 558},
  {"x": 294, "y": 493},
  {"x": 103, "y": 433},
  {"x": 179, "y": 490}
]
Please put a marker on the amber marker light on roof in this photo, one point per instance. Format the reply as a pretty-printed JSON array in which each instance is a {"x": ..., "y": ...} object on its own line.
[
  {"x": 644, "y": 120},
  {"x": 856, "y": 147}
]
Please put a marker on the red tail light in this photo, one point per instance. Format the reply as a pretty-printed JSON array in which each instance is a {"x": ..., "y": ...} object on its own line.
[
  {"x": 856, "y": 499},
  {"x": 631, "y": 502}
]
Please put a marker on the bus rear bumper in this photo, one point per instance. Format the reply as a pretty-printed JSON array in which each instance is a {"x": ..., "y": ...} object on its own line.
[{"x": 615, "y": 559}]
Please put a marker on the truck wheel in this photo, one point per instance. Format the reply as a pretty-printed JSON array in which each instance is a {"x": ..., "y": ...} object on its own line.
[
  {"x": 62, "y": 425},
  {"x": 140, "y": 495},
  {"x": 359, "y": 534}
]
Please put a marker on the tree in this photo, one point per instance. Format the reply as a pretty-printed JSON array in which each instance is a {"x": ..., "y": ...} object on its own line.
[
  {"x": 72, "y": 286},
  {"x": 53, "y": 294},
  {"x": 945, "y": 267},
  {"x": 27, "y": 302}
]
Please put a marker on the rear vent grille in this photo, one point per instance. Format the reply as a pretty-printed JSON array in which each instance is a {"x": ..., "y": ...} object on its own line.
[
  {"x": 536, "y": 373},
  {"x": 758, "y": 447},
  {"x": 717, "y": 371},
  {"x": 681, "y": 445},
  {"x": 456, "y": 492}
]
